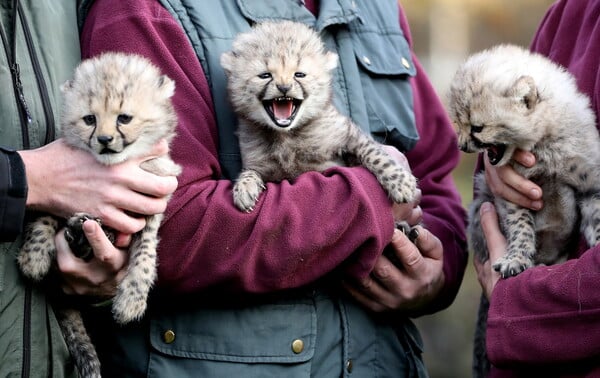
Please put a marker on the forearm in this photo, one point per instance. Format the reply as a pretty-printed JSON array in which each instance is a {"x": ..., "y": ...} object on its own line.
[
  {"x": 546, "y": 314},
  {"x": 13, "y": 195},
  {"x": 299, "y": 231}
]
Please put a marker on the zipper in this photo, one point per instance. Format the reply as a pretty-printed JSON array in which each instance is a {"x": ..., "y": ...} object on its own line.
[
  {"x": 24, "y": 114},
  {"x": 42, "y": 88},
  {"x": 27, "y": 333}
]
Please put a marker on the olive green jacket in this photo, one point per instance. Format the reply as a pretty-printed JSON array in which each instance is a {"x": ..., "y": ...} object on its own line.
[{"x": 40, "y": 48}]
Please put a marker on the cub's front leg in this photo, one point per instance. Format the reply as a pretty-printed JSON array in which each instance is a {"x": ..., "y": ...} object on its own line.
[
  {"x": 519, "y": 226},
  {"x": 397, "y": 181},
  {"x": 130, "y": 302},
  {"x": 246, "y": 190}
]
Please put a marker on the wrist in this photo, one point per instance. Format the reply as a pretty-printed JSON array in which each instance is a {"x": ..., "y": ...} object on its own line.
[{"x": 33, "y": 198}]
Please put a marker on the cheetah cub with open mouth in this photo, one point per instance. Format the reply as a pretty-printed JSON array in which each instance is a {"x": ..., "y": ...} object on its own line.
[{"x": 279, "y": 81}]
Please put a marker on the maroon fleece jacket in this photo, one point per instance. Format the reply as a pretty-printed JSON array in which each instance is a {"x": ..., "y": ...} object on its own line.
[{"x": 300, "y": 230}]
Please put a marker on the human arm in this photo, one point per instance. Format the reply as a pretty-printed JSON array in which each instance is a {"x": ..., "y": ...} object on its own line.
[
  {"x": 205, "y": 241},
  {"x": 545, "y": 314},
  {"x": 433, "y": 283}
]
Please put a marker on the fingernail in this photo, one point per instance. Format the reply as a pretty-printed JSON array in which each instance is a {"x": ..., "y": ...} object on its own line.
[
  {"x": 529, "y": 160},
  {"x": 485, "y": 207},
  {"x": 535, "y": 193},
  {"x": 536, "y": 205}
]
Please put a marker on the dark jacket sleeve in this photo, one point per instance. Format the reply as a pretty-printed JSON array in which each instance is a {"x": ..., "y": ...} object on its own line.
[{"x": 13, "y": 194}]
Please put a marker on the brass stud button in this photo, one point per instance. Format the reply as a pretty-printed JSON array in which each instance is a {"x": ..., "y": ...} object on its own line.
[
  {"x": 405, "y": 62},
  {"x": 349, "y": 366},
  {"x": 297, "y": 346},
  {"x": 169, "y": 336}
]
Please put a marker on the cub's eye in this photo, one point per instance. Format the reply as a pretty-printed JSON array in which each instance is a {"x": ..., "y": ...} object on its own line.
[
  {"x": 89, "y": 119},
  {"x": 265, "y": 75},
  {"x": 124, "y": 119},
  {"x": 300, "y": 74},
  {"x": 476, "y": 129}
]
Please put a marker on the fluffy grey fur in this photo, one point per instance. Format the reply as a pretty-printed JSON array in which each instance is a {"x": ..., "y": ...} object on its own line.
[
  {"x": 279, "y": 80},
  {"x": 506, "y": 98}
]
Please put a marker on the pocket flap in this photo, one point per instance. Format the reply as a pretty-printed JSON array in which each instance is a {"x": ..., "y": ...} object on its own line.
[
  {"x": 383, "y": 54},
  {"x": 280, "y": 333}
]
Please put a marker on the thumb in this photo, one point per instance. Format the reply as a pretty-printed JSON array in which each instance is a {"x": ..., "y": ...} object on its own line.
[
  {"x": 495, "y": 240},
  {"x": 409, "y": 255},
  {"x": 160, "y": 148},
  {"x": 98, "y": 241}
]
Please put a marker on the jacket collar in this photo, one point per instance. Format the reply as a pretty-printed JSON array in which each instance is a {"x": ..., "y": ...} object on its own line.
[{"x": 330, "y": 12}]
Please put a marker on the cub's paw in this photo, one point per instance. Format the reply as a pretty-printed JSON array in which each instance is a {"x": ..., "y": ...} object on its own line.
[
  {"x": 129, "y": 304},
  {"x": 76, "y": 238},
  {"x": 38, "y": 251},
  {"x": 246, "y": 190},
  {"x": 509, "y": 266},
  {"x": 404, "y": 189}
]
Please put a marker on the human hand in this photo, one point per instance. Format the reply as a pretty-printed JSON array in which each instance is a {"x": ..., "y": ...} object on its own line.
[
  {"x": 507, "y": 183},
  {"x": 496, "y": 244},
  {"x": 63, "y": 180},
  {"x": 100, "y": 276},
  {"x": 405, "y": 288}
]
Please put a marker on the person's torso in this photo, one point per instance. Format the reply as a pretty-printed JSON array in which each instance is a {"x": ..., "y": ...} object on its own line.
[{"x": 42, "y": 48}]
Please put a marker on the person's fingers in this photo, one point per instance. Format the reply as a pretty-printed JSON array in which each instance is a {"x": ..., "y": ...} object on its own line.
[
  {"x": 525, "y": 158},
  {"x": 409, "y": 255},
  {"x": 114, "y": 259},
  {"x": 429, "y": 245},
  {"x": 507, "y": 183},
  {"x": 495, "y": 240},
  {"x": 363, "y": 298}
]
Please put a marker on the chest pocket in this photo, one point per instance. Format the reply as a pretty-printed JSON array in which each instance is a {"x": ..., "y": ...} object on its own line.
[
  {"x": 385, "y": 65},
  {"x": 235, "y": 341}
]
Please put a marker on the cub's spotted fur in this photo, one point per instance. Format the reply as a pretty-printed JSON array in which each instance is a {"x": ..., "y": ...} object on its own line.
[
  {"x": 507, "y": 98},
  {"x": 279, "y": 81},
  {"x": 116, "y": 107}
]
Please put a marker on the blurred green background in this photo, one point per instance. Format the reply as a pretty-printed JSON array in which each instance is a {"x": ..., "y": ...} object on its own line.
[{"x": 444, "y": 33}]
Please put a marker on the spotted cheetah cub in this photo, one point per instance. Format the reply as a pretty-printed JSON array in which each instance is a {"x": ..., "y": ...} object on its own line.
[
  {"x": 279, "y": 81},
  {"x": 507, "y": 98},
  {"x": 116, "y": 107}
]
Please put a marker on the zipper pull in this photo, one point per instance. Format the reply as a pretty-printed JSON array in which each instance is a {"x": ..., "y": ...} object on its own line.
[{"x": 17, "y": 75}]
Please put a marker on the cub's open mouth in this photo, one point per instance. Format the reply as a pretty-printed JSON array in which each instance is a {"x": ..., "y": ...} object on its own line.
[
  {"x": 282, "y": 110},
  {"x": 495, "y": 152}
]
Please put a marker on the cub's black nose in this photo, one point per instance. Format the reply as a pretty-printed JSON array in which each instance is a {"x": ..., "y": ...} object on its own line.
[{"x": 104, "y": 139}]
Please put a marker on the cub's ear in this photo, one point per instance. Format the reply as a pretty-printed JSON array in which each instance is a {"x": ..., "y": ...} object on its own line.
[
  {"x": 331, "y": 61},
  {"x": 166, "y": 86},
  {"x": 67, "y": 85},
  {"x": 227, "y": 62},
  {"x": 525, "y": 91}
]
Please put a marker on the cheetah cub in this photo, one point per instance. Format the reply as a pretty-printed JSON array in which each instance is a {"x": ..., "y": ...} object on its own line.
[
  {"x": 116, "y": 107},
  {"x": 506, "y": 98},
  {"x": 279, "y": 81}
]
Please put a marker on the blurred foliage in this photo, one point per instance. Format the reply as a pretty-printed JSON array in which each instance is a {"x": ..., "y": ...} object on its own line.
[{"x": 448, "y": 334}]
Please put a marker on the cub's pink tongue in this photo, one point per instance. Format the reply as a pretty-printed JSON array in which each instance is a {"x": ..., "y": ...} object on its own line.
[{"x": 282, "y": 109}]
